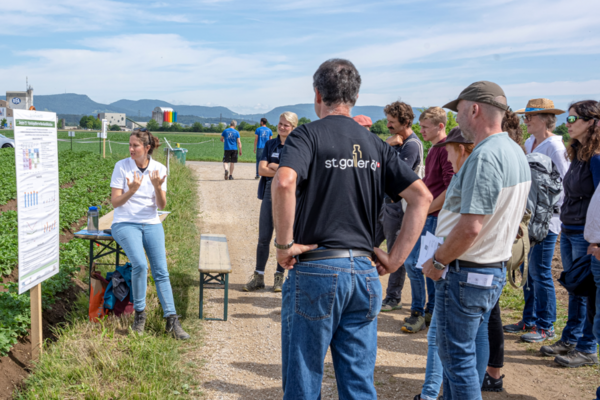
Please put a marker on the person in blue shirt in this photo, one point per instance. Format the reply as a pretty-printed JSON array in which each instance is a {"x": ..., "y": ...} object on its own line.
[
  {"x": 231, "y": 138},
  {"x": 262, "y": 135}
]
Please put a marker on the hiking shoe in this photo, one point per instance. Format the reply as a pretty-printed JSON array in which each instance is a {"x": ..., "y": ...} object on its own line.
[
  {"x": 175, "y": 329},
  {"x": 226, "y": 174},
  {"x": 559, "y": 348},
  {"x": 538, "y": 335},
  {"x": 256, "y": 282},
  {"x": 256, "y": 177},
  {"x": 576, "y": 359},
  {"x": 428, "y": 317},
  {"x": 415, "y": 323},
  {"x": 518, "y": 327},
  {"x": 490, "y": 384},
  {"x": 139, "y": 322},
  {"x": 230, "y": 177},
  {"x": 278, "y": 282},
  {"x": 391, "y": 305}
]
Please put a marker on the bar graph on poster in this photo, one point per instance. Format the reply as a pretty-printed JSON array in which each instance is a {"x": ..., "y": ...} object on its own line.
[{"x": 36, "y": 160}]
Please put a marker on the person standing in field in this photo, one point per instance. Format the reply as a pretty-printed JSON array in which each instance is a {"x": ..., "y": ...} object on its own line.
[
  {"x": 438, "y": 173},
  {"x": 231, "y": 138},
  {"x": 263, "y": 133},
  {"x": 327, "y": 194},
  {"x": 484, "y": 205},
  {"x": 409, "y": 148},
  {"x": 269, "y": 164}
]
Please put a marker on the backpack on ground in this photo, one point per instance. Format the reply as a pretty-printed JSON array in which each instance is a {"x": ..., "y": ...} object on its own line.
[{"x": 546, "y": 188}]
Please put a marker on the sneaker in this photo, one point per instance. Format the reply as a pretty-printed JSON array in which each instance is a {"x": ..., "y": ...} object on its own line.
[
  {"x": 518, "y": 327},
  {"x": 390, "y": 305},
  {"x": 139, "y": 322},
  {"x": 230, "y": 177},
  {"x": 427, "y": 318},
  {"x": 576, "y": 359},
  {"x": 175, "y": 329},
  {"x": 559, "y": 348},
  {"x": 256, "y": 282},
  {"x": 490, "y": 384},
  {"x": 226, "y": 174},
  {"x": 538, "y": 335},
  {"x": 278, "y": 282},
  {"x": 415, "y": 323}
]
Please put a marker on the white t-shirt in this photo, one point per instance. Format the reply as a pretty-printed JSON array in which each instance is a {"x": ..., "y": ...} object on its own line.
[
  {"x": 141, "y": 208},
  {"x": 554, "y": 148},
  {"x": 591, "y": 232}
]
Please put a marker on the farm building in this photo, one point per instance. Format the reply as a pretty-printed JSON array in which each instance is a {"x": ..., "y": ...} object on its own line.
[
  {"x": 164, "y": 114},
  {"x": 114, "y": 119},
  {"x": 20, "y": 100}
]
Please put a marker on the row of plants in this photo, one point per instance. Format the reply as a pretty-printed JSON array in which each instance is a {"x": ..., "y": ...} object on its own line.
[{"x": 89, "y": 175}]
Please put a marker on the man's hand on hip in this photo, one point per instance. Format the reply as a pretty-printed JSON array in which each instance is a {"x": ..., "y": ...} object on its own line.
[
  {"x": 286, "y": 259},
  {"x": 432, "y": 272},
  {"x": 384, "y": 263}
]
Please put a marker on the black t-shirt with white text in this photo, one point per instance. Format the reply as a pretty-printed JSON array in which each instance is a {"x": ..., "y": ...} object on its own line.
[{"x": 343, "y": 173}]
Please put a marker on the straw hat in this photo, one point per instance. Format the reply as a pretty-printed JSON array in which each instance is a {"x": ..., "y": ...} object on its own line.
[{"x": 540, "y": 106}]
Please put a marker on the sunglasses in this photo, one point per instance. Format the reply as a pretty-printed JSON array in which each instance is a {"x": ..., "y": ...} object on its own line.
[
  {"x": 571, "y": 119},
  {"x": 528, "y": 117}
]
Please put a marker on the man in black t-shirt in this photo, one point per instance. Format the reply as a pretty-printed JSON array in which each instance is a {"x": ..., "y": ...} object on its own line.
[{"x": 327, "y": 194}]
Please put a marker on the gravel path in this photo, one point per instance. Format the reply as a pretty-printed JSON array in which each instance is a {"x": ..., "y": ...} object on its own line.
[{"x": 243, "y": 358}]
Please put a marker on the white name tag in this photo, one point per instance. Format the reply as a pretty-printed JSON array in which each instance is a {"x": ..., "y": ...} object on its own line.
[
  {"x": 480, "y": 279},
  {"x": 276, "y": 155}
]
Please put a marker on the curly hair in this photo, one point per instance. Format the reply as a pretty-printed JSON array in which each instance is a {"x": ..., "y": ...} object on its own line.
[
  {"x": 401, "y": 111},
  {"x": 511, "y": 123},
  {"x": 587, "y": 109}
]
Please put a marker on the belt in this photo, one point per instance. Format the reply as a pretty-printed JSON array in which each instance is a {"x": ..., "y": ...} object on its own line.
[
  {"x": 469, "y": 264},
  {"x": 325, "y": 254}
]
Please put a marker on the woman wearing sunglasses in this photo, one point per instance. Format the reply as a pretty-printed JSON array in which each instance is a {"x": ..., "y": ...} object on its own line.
[
  {"x": 577, "y": 346},
  {"x": 139, "y": 186}
]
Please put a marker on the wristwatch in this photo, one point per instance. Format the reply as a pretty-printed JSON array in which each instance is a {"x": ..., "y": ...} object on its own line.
[
  {"x": 284, "y": 246},
  {"x": 438, "y": 265}
]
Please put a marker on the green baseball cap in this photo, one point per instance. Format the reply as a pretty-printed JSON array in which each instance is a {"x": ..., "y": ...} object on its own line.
[{"x": 480, "y": 92}]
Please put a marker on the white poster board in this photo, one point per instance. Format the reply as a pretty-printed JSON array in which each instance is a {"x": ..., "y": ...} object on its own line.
[
  {"x": 104, "y": 129},
  {"x": 36, "y": 160},
  {"x": 71, "y": 134}
]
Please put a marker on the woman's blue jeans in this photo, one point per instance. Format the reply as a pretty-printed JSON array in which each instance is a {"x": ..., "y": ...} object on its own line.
[
  {"x": 334, "y": 304},
  {"x": 579, "y": 328},
  {"x": 134, "y": 239},
  {"x": 434, "y": 371},
  {"x": 418, "y": 282},
  {"x": 539, "y": 293}
]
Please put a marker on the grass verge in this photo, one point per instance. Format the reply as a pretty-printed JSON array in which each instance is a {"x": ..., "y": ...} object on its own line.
[{"x": 100, "y": 361}]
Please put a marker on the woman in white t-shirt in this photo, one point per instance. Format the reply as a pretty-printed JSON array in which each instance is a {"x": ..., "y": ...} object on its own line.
[{"x": 138, "y": 190}]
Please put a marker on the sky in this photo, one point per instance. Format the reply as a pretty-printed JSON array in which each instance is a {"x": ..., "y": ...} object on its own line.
[{"x": 254, "y": 56}]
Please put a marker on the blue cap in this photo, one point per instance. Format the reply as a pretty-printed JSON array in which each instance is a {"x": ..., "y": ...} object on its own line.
[{"x": 93, "y": 208}]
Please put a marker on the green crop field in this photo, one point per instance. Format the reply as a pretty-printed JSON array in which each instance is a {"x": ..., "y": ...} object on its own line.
[{"x": 201, "y": 147}]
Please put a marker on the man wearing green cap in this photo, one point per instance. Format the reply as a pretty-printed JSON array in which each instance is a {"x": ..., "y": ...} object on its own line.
[{"x": 479, "y": 221}]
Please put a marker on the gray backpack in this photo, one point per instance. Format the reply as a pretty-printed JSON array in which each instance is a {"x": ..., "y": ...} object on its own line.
[{"x": 546, "y": 188}]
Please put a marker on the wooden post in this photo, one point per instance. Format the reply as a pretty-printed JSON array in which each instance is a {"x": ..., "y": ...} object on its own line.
[{"x": 35, "y": 296}]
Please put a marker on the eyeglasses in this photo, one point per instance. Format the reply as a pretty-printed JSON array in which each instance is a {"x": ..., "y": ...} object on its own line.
[
  {"x": 571, "y": 119},
  {"x": 528, "y": 117}
]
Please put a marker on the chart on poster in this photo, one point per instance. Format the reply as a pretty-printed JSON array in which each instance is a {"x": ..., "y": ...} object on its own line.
[{"x": 36, "y": 161}]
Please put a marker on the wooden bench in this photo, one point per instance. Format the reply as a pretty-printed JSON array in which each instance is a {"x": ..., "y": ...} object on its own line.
[{"x": 214, "y": 268}]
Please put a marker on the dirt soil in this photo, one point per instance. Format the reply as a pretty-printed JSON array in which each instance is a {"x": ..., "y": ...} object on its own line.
[{"x": 243, "y": 358}]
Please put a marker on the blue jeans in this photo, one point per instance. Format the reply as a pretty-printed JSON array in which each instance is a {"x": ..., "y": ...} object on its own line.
[
  {"x": 330, "y": 303},
  {"x": 596, "y": 272},
  {"x": 539, "y": 293},
  {"x": 434, "y": 371},
  {"x": 417, "y": 279},
  {"x": 579, "y": 328},
  {"x": 461, "y": 309},
  {"x": 259, "y": 154},
  {"x": 134, "y": 239}
]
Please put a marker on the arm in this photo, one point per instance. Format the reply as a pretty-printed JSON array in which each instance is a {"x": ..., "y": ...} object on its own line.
[
  {"x": 394, "y": 140},
  {"x": 222, "y": 139},
  {"x": 239, "y": 142},
  {"x": 460, "y": 239},
  {"x": 419, "y": 199},
  {"x": 264, "y": 169},
  {"x": 283, "y": 191},
  {"x": 255, "y": 142},
  {"x": 118, "y": 198},
  {"x": 437, "y": 203}
]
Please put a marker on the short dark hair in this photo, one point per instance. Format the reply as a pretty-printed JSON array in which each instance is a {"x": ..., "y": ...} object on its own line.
[
  {"x": 263, "y": 120},
  {"x": 401, "y": 111},
  {"x": 338, "y": 82}
]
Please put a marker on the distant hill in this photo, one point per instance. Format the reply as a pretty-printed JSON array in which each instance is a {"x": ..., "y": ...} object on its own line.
[{"x": 79, "y": 104}]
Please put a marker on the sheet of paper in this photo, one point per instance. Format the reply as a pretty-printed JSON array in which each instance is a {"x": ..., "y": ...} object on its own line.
[
  {"x": 480, "y": 279},
  {"x": 429, "y": 244}
]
